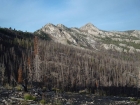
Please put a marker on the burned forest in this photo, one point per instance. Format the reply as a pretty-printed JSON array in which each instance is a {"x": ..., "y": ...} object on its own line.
[{"x": 35, "y": 60}]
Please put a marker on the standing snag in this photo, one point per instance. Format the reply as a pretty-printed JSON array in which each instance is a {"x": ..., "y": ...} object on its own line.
[
  {"x": 2, "y": 70},
  {"x": 20, "y": 79}
]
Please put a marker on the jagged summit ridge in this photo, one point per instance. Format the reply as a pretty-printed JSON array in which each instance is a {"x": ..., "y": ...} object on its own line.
[
  {"x": 89, "y": 26},
  {"x": 61, "y": 26},
  {"x": 49, "y": 24},
  {"x": 89, "y": 36}
]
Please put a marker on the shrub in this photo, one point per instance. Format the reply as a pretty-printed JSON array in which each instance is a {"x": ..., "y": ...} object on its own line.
[
  {"x": 29, "y": 97},
  {"x": 57, "y": 102},
  {"x": 24, "y": 102},
  {"x": 133, "y": 99},
  {"x": 42, "y": 101},
  {"x": 18, "y": 87},
  {"x": 44, "y": 89},
  {"x": 7, "y": 86},
  {"x": 56, "y": 90},
  {"x": 138, "y": 101}
]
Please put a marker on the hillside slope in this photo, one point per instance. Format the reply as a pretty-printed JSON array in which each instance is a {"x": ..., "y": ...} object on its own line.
[
  {"x": 30, "y": 59},
  {"x": 89, "y": 36}
]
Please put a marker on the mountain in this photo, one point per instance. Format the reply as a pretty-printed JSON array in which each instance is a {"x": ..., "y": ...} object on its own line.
[
  {"x": 35, "y": 59},
  {"x": 90, "y": 37}
]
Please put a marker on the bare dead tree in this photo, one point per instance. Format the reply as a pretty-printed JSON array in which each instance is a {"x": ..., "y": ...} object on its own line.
[
  {"x": 20, "y": 75},
  {"x": 2, "y": 71},
  {"x": 37, "y": 61}
]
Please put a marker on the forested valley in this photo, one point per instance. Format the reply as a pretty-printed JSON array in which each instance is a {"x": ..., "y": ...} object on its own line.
[{"x": 35, "y": 60}]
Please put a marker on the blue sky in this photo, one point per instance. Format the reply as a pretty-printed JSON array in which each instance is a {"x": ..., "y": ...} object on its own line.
[{"x": 30, "y": 15}]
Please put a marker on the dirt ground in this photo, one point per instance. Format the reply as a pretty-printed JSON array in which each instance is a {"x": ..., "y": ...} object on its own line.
[{"x": 15, "y": 97}]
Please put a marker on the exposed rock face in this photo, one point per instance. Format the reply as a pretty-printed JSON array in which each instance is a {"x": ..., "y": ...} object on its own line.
[
  {"x": 113, "y": 47},
  {"x": 58, "y": 33},
  {"x": 90, "y": 28},
  {"x": 89, "y": 36}
]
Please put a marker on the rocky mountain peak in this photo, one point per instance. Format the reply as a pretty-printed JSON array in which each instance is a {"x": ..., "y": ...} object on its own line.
[
  {"x": 89, "y": 36},
  {"x": 89, "y": 26},
  {"x": 49, "y": 25},
  {"x": 61, "y": 26},
  {"x": 90, "y": 29}
]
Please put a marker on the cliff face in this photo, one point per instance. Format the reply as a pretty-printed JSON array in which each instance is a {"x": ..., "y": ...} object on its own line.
[{"x": 89, "y": 36}]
